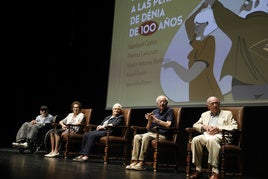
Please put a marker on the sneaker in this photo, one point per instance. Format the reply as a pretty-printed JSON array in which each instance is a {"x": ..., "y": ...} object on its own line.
[
  {"x": 196, "y": 175},
  {"x": 139, "y": 166},
  {"x": 84, "y": 158},
  {"x": 15, "y": 144},
  {"x": 129, "y": 167},
  {"x": 81, "y": 159},
  {"x": 77, "y": 158},
  {"x": 23, "y": 145}
]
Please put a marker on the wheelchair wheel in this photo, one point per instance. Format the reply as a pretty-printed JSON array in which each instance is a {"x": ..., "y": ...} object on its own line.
[
  {"x": 34, "y": 146},
  {"x": 47, "y": 145}
]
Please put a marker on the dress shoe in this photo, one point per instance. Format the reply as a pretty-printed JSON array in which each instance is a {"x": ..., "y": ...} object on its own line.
[
  {"x": 215, "y": 176},
  {"x": 195, "y": 175}
]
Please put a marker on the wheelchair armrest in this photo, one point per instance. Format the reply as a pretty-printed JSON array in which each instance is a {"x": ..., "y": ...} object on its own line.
[{"x": 55, "y": 125}]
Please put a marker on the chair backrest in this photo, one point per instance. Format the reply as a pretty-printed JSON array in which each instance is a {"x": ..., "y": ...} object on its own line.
[
  {"x": 238, "y": 114},
  {"x": 127, "y": 115},
  {"x": 87, "y": 118},
  {"x": 177, "y": 114}
]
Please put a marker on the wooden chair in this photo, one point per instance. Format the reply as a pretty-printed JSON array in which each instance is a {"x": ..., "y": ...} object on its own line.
[
  {"x": 73, "y": 141},
  {"x": 164, "y": 152},
  {"x": 112, "y": 147},
  {"x": 232, "y": 151},
  {"x": 228, "y": 152}
]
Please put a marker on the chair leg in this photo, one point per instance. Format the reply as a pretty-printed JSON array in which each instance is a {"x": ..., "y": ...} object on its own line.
[
  {"x": 222, "y": 165},
  {"x": 66, "y": 151},
  {"x": 124, "y": 153},
  {"x": 233, "y": 173},
  {"x": 188, "y": 160},
  {"x": 240, "y": 169},
  {"x": 105, "y": 158},
  {"x": 155, "y": 159}
]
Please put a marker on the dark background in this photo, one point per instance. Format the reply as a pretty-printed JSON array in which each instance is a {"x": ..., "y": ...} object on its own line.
[{"x": 62, "y": 53}]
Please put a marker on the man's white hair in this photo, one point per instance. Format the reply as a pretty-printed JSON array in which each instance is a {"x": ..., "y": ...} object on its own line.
[
  {"x": 117, "y": 105},
  {"x": 160, "y": 97}
]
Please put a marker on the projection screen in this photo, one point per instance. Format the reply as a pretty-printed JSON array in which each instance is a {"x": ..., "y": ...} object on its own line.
[{"x": 189, "y": 50}]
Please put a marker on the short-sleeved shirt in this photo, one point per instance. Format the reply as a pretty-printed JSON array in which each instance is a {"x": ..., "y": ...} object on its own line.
[
  {"x": 166, "y": 115},
  {"x": 44, "y": 119},
  {"x": 74, "y": 120}
]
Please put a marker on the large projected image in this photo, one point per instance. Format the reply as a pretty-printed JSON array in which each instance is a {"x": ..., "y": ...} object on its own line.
[{"x": 189, "y": 50}]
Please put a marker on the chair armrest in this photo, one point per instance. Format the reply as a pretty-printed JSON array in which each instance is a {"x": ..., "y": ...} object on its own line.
[
  {"x": 109, "y": 128},
  {"x": 191, "y": 130},
  {"x": 229, "y": 136},
  {"x": 171, "y": 132},
  {"x": 191, "y": 133},
  {"x": 116, "y": 127},
  {"x": 137, "y": 128},
  {"x": 81, "y": 128},
  {"x": 90, "y": 127},
  {"x": 224, "y": 131},
  {"x": 75, "y": 125},
  {"x": 165, "y": 128}
]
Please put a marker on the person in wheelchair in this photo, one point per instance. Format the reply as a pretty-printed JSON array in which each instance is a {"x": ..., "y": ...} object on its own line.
[{"x": 29, "y": 130}]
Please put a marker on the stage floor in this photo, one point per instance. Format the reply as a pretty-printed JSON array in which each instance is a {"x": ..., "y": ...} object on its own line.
[{"x": 16, "y": 165}]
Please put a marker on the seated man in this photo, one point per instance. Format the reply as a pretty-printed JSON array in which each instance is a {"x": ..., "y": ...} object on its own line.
[
  {"x": 29, "y": 130},
  {"x": 161, "y": 116},
  {"x": 210, "y": 124}
]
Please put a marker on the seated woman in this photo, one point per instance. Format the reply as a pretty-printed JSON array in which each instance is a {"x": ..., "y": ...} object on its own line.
[
  {"x": 115, "y": 119},
  {"x": 76, "y": 117}
]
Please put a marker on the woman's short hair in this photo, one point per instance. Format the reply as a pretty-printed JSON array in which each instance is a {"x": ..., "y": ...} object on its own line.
[
  {"x": 78, "y": 103},
  {"x": 117, "y": 105}
]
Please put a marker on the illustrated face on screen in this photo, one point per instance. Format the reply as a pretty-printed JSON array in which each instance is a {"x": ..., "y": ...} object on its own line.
[
  {"x": 204, "y": 23},
  {"x": 250, "y": 6}
]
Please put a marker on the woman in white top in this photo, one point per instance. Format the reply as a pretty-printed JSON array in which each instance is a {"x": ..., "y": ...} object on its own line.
[{"x": 76, "y": 117}]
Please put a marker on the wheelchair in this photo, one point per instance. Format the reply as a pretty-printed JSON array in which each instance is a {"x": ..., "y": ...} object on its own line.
[{"x": 41, "y": 141}]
